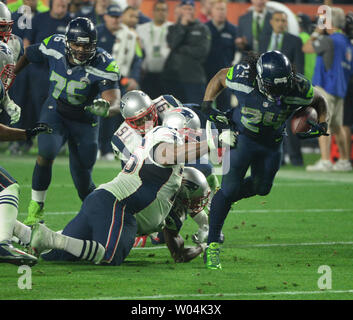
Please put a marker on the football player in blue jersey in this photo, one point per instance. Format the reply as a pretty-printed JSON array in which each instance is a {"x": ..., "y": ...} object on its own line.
[
  {"x": 9, "y": 188},
  {"x": 268, "y": 92},
  {"x": 83, "y": 86}
]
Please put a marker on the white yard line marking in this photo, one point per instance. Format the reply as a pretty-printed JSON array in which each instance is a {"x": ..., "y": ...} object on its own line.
[
  {"x": 237, "y": 211},
  {"x": 238, "y": 294},
  {"x": 264, "y": 245},
  {"x": 308, "y": 184},
  {"x": 316, "y": 176}
]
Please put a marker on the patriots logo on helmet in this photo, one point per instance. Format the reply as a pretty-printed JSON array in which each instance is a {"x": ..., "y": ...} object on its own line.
[{"x": 184, "y": 112}]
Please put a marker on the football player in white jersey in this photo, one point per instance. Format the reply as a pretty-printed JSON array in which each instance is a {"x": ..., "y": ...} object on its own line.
[
  {"x": 139, "y": 198},
  {"x": 141, "y": 114},
  {"x": 15, "y": 44}
]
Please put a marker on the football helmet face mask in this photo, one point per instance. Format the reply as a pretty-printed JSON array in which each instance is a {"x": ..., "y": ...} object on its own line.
[
  {"x": 274, "y": 75},
  {"x": 81, "y": 40},
  {"x": 139, "y": 111},
  {"x": 5, "y": 23},
  {"x": 195, "y": 191},
  {"x": 7, "y": 66}
]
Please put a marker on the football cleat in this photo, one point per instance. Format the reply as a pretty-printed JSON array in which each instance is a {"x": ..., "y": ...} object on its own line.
[
  {"x": 140, "y": 241},
  {"x": 211, "y": 256},
  {"x": 42, "y": 238},
  {"x": 10, "y": 254},
  {"x": 35, "y": 213}
]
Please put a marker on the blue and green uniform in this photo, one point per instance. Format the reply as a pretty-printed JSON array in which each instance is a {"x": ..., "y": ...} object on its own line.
[
  {"x": 261, "y": 125},
  {"x": 71, "y": 89}
]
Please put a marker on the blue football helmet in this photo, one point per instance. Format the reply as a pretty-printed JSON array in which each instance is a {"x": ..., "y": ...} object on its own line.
[
  {"x": 274, "y": 74},
  {"x": 81, "y": 40}
]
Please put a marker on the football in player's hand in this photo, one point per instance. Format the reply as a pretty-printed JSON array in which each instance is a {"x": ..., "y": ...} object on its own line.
[{"x": 299, "y": 121}]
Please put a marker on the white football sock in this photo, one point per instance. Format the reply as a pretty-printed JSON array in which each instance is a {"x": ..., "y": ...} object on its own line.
[
  {"x": 39, "y": 196},
  {"x": 84, "y": 249},
  {"x": 8, "y": 211},
  {"x": 201, "y": 219},
  {"x": 22, "y": 232}
]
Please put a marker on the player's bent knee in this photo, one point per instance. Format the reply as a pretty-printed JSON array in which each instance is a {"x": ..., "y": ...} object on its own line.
[
  {"x": 263, "y": 190},
  {"x": 44, "y": 162}
]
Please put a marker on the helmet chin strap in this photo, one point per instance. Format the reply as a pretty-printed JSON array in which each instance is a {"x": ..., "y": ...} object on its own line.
[{"x": 78, "y": 62}]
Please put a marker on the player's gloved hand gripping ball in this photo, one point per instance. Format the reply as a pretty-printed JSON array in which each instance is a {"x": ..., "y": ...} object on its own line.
[
  {"x": 317, "y": 130},
  {"x": 100, "y": 107}
]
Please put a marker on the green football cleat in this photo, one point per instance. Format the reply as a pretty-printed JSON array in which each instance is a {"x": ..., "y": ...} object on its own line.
[
  {"x": 35, "y": 213},
  {"x": 212, "y": 256}
]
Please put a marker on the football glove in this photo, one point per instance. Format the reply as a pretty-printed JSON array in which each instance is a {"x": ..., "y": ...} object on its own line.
[
  {"x": 212, "y": 114},
  {"x": 317, "y": 130},
  {"x": 13, "y": 110},
  {"x": 228, "y": 137},
  {"x": 39, "y": 128},
  {"x": 100, "y": 108}
]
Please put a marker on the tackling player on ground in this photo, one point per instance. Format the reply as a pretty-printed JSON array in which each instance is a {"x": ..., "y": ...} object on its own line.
[
  {"x": 268, "y": 92},
  {"x": 141, "y": 114},
  {"x": 139, "y": 199}
]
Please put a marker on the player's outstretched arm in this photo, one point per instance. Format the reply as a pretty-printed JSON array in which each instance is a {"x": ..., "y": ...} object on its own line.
[
  {"x": 14, "y": 134},
  {"x": 169, "y": 153},
  {"x": 175, "y": 244},
  {"x": 11, "y": 134}
]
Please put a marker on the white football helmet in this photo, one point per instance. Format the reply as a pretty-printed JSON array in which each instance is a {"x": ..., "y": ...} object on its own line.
[
  {"x": 7, "y": 66},
  {"x": 192, "y": 119},
  {"x": 139, "y": 111},
  {"x": 195, "y": 191},
  {"x": 174, "y": 120},
  {"x": 5, "y": 23}
]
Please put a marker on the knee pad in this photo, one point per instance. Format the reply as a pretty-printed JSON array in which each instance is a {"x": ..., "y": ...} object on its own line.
[{"x": 13, "y": 189}]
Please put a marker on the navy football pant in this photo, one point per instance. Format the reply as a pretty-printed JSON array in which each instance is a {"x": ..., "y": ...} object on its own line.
[
  {"x": 104, "y": 219},
  {"x": 82, "y": 140},
  {"x": 264, "y": 163},
  {"x": 5, "y": 179}
]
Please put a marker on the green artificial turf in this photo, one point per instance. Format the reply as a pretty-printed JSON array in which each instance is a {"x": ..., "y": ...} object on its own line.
[{"x": 273, "y": 246}]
